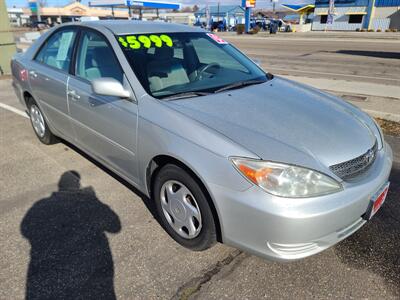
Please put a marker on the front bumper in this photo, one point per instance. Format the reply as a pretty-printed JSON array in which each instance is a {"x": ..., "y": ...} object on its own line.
[{"x": 288, "y": 229}]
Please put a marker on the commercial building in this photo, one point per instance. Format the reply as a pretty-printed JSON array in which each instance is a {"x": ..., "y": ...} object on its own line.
[
  {"x": 229, "y": 14},
  {"x": 358, "y": 14},
  {"x": 17, "y": 16},
  {"x": 101, "y": 10},
  {"x": 305, "y": 13}
]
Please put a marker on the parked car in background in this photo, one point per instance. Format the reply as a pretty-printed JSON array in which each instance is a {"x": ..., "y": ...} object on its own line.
[
  {"x": 225, "y": 151},
  {"x": 39, "y": 25}
]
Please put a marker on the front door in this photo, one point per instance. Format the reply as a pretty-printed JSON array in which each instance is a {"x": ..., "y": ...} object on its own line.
[{"x": 105, "y": 126}]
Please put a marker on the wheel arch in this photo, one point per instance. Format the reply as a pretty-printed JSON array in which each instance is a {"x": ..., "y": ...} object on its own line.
[
  {"x": 159, "y": 161},
  {"x": 27, "y": 96}
]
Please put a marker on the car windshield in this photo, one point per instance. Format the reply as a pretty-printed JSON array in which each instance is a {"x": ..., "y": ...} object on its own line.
[{"x": 187, "y": 63}]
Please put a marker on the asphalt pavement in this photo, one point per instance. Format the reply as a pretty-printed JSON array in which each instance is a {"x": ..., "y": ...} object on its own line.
[{"x": 343, "y": 56}]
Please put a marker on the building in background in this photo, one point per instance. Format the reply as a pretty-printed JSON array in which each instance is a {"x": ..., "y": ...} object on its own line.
[
  {"x": 229, "y": 14},
  {"x": 305, "y": 16},
  {"x": 358, "y": 14},
  {"x": 76, "y": 10},
  {"x": 17, "y": 16}
]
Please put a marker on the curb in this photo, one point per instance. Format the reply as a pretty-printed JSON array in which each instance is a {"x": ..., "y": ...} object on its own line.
[{"x": 383, "y": 115}]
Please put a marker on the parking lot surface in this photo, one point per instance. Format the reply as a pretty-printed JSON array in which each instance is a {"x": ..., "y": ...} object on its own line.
[
  {"x": 69, "y": 226},
  {"x": 343, "y": 56}
]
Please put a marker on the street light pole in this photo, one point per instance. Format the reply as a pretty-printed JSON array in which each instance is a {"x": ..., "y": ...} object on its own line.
[
  {"x": 218, "y": 12},
  {"x": 38, "y": 6}
]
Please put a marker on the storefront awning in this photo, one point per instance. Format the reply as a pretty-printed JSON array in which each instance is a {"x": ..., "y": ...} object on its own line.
[
  {"x": 299, "y": 8},
  {"x": 356, "y": 13}
]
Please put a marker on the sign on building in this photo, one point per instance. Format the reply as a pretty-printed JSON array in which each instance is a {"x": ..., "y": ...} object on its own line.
[
  {"x": 251, "y": 3},
  {"x": 33, "y": 6}
]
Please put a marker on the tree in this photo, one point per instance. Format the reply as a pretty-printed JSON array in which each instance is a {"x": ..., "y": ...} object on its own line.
[
  {"x": 186, "y": 9},
  {"x": 195, "y": 8}
]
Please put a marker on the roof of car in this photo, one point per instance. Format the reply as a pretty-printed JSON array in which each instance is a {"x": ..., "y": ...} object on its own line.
[{"x": 120, "y": 27}]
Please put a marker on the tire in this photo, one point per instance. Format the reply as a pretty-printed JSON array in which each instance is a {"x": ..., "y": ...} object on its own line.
[
  {"x": 181, "y": 202},
  {"x": 39, "y": 124}
]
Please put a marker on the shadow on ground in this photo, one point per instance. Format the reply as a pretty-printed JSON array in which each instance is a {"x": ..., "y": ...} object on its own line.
[
  {"x": 70, "y": 254},
  {"x": 376, "y": 247},
  {"x": 146, "y": 200},
  {"x": 378, "y": 54}
]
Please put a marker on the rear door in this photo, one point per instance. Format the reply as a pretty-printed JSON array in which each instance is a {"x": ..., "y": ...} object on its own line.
[
  {"x": 48, "y": 74},
  {"x": 105, "y": 126}
]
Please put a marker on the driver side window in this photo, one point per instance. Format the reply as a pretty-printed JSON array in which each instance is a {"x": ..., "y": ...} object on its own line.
[
  {"x": 96, "y": 58},
  {"x": 209, "y": 53}
]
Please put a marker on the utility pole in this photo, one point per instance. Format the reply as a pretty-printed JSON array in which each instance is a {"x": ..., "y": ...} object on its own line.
[
  {"x": 7, "y": 44},
  {"x": 39, "y": 17},
  {"x": 218, "y": 12}
]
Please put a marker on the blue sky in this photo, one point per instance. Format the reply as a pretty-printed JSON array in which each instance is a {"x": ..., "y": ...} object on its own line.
[{"x": 260, "y": 3}]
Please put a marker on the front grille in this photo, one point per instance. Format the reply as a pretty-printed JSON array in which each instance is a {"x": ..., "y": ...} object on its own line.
[{"x": 357, "y": 166}]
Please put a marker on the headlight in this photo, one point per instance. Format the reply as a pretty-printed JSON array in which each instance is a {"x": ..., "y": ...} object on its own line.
[{"x": 286, "y": 180}]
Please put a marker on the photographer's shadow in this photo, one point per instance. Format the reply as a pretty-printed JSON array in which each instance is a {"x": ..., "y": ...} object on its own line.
[{"x": 70, "y": 254}]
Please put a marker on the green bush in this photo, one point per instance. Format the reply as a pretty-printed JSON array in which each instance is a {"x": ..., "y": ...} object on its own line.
[{"x": 255, "y": 30}]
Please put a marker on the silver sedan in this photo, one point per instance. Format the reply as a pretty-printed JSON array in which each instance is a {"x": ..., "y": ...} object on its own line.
[{"x": 227, "y": 152}]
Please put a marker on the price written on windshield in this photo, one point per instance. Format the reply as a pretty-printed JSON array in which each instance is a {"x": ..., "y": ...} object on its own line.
[{"x": 146, "y": 41}]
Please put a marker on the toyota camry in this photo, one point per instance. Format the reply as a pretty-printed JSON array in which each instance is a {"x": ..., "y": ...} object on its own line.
[{"x": 226, "y": 151}]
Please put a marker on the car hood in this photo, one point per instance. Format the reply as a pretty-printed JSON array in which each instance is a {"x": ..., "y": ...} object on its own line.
[{"x": 281, "y": 120}]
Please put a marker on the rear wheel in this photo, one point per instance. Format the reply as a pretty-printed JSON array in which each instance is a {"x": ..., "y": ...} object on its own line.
[
  {"x": 183, "y": 208},
  {"x": 39, "y": 124}
]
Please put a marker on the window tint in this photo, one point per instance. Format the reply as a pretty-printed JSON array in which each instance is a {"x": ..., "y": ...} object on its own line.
[
  {"x": 168, "y": 64},
  {"x": 208, "y": 54},
  {"x": 57, "y": 51},
  {"x": 355, "y": 19},
  {"x": 96, "y": 58}
]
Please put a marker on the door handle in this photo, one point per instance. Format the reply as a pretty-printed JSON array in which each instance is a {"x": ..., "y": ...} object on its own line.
[
  {"x": 73, "y": 94},
  {"x": 33, "y": 73}
]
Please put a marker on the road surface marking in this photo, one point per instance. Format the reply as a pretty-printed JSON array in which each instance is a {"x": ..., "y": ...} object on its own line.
[{"x": 14, "y": 110}]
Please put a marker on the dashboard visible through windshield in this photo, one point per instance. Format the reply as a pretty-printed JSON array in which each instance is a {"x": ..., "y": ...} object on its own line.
[{"x": 187, "y": 63}]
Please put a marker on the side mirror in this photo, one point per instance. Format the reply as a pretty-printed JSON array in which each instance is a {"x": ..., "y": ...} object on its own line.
[{"x": 108, "y": 86}]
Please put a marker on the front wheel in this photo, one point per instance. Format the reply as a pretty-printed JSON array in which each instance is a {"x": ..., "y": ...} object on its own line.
[
  {"x": 39, "y": 124},
  {"x": 183, "y": 208}
]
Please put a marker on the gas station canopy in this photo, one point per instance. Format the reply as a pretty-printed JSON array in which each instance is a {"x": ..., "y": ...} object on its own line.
[
  {"x": 134, "y": 4},
  {"x": 299, "y": 8}
]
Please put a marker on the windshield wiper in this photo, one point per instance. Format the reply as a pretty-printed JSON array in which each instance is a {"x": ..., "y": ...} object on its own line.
[
  {"x": 185, "y": 95},
  {"x": 240, "y": 84}
]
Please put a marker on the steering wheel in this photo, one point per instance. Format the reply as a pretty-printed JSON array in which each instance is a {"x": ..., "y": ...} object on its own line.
[{"x": 204, "y": 69}]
